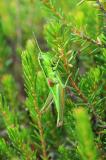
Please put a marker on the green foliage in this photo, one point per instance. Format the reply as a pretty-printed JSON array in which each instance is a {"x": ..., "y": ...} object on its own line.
[
  {"x": 69, "y": 71},
  {"x": 86, "y": 146},
  {"x": 10, "y": 87},
  {"x": 20, "y": 140}
]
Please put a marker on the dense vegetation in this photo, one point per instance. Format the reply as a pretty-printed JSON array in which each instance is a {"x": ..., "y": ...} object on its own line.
[{"x": 52, "y": 80}]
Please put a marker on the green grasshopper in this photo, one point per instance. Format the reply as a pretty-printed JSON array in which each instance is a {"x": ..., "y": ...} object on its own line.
[{"x": 57, "y": 89}]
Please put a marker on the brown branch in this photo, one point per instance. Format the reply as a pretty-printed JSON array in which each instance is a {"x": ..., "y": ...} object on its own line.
[
  {"x": 74, "y": 85},
  {"x": 75, "y": 32},
  {"x": 85, "y": 100},
  {"x": 101, "y": 6},
  {"x": 81, "y": 95},
  {"x": 67, "y": 69},
  {"x": 52, "y": 8},
  {"x": 40, "y": 128},
  {"x": 89, "y": 39}
]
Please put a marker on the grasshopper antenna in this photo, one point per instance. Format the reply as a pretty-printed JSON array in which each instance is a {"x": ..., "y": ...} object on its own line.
[
  {"x": 80, "y": 2},
  {"x": 40, "y": 52},
  {"x": 36, "y": 42}
]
